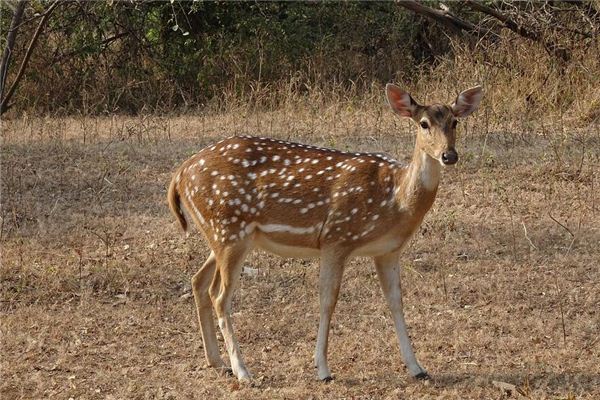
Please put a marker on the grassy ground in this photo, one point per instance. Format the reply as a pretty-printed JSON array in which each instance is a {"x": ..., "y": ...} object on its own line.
[{"x": 502, "y": 285}]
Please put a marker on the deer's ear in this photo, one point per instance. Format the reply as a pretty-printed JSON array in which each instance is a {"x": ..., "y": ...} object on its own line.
[
  {"x": 467, "y": 102},
  {"x": 400, "y": 101}
]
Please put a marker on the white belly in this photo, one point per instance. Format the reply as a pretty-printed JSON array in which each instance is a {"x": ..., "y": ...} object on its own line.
[
  {"x": 284, "y": 250},
  {"x": 380, "y": 246},
  {"x": 375, "y": 248}
]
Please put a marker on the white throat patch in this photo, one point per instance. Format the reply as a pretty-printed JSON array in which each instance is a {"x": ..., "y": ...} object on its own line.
[{"x": 430, "y": 172}]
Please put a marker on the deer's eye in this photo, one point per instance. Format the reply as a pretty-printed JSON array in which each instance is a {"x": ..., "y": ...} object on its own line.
[
  {"x": 424, "y": 124},
  {"x": 454, "y": 123}
]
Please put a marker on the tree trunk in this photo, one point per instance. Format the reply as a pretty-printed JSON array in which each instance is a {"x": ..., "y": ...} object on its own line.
[
  {"x": 10, "y": 43},
  {"x": 4, "y": 104}
]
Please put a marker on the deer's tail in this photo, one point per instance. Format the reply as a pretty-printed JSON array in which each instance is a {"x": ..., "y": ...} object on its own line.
[{"x": 175, "y": 202}]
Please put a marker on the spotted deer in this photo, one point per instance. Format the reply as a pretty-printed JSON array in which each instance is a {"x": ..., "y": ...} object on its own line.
[{"x": 297, "y": 200}]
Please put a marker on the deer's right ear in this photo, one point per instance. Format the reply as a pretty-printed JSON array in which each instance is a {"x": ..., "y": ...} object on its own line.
[
  {"x": 400, "y": 101},
  {"x": 467, "y": 102}
]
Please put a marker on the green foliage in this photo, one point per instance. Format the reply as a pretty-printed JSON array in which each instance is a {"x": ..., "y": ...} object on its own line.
[
  {"x": 129, "y": 56},
  {"x": 140, "y": 56}
]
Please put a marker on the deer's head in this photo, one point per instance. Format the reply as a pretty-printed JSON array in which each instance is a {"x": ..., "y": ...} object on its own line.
[{"x": 436, "y": 123}]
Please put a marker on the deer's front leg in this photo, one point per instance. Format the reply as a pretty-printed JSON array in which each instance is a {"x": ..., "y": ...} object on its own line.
[
  {"x": 388, "y": 270},
  {"x": 330, "y": 278}
]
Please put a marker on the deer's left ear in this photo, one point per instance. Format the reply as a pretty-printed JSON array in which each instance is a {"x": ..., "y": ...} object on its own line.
[
  {"x": 400, "y": 101},
  {"x": 467, "y": 102}
]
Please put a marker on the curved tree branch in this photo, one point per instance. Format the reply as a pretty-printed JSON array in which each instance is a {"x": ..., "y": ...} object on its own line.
[
  {"x": 588, "y": 9},
  {"x": 10, "y": 42},
  {"x": 4, "y": 104},
  {"x": 443, "y": 17},
  {"x": 104, "y": 43},
  {"x": 528, "y": 33}
]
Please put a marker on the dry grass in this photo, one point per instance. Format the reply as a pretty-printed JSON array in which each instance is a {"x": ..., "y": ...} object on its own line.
[
  {"x": 525, "y": 88},
  {"x": 501, "y": 283}
]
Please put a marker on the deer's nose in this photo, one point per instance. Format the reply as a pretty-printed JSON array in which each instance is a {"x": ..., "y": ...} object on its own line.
[{"x": 450, "y": 157}]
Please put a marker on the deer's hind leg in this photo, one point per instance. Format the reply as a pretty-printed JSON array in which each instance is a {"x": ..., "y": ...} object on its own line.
[
  {"x": 229, "y": 267},
  {"x": 201, "y": 283}
]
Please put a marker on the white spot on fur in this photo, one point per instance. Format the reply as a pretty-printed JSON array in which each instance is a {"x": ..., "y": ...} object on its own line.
[{"x": 268, "y": 228}]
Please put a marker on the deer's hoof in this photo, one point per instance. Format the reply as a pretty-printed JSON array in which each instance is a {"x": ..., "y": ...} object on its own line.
[{"x": 423, "y": 376}]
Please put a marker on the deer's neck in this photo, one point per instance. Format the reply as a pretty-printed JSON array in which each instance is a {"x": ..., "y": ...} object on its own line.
[{"x": 417, "y": 186}]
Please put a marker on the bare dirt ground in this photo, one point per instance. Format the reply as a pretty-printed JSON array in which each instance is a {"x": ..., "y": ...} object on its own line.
[{"x": 501, "y": 283}]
